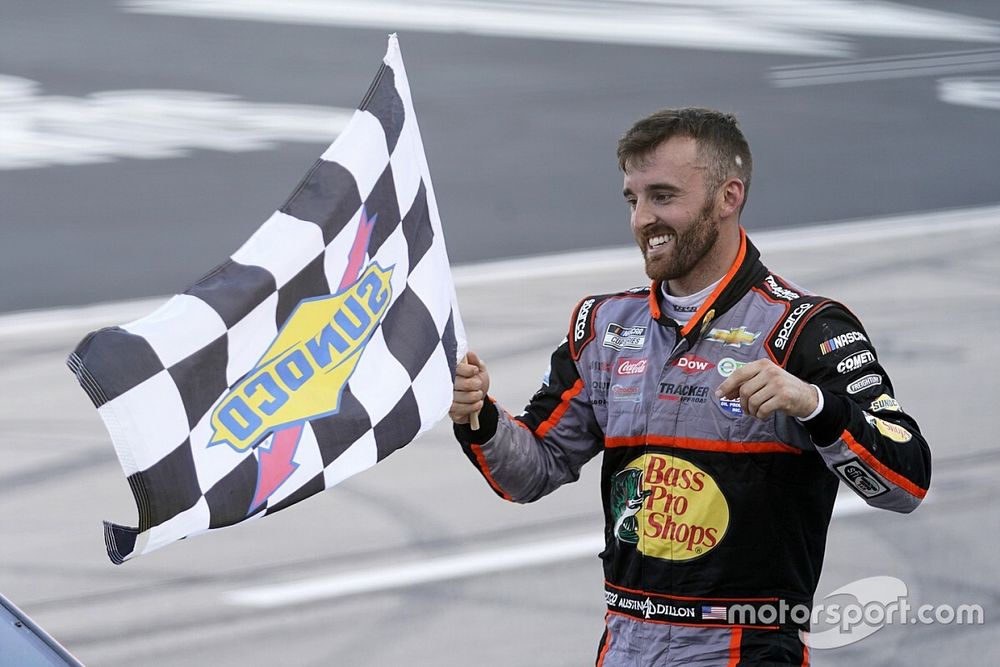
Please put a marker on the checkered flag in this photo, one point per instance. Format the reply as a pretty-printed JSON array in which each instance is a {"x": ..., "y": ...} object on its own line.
[{"x": 325, "y": 343}]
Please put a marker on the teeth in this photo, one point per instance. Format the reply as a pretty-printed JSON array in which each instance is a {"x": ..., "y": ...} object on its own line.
[{"x": 659, "y": 240}]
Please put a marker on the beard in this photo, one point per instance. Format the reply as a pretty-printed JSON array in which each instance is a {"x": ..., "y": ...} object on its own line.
[{"x": 689, "y": 248}]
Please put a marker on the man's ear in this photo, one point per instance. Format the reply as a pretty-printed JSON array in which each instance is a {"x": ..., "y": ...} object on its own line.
[{"x": 731, "y": 197}]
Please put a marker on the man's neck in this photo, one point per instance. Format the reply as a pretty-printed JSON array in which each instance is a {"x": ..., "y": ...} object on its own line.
[{"x": 682, "y": 308}]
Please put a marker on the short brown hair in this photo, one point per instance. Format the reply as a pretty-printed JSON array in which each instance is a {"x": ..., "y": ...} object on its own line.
[{"x": 718, "y": 134}]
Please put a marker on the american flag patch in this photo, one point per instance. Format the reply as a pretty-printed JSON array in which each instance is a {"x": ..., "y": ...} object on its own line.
[{"x": 713, "y": 613}]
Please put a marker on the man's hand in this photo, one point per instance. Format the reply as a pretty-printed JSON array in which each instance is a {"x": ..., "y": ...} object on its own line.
[
  {"x": 764, "y": 388},
  {"x": 472, "y": 382}
]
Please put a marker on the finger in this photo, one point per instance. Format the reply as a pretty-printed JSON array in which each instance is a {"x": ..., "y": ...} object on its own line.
[
  {"x": 467, "y": 397},
  {"x": 751, "y": 388},
  {"x": 474, "y": 359},
  {"x": 466, "y": 370},
  {"x": 460, "y": 413},
  {"x": 757, "y": 399},
  {"x": 730, "y": 388},
  {"x": 474, "y": 383},
  {"x": 769, "y": 407}
]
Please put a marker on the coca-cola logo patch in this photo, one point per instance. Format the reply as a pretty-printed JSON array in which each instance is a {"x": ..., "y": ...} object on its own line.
[{"x": 631, "y": 367}]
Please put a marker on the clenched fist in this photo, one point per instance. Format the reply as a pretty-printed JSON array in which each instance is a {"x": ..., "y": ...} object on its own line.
[{"x": 472, "y": 383}]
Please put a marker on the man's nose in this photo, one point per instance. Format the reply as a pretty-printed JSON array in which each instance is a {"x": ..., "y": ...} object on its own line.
[{"x": 643, "y": 215}]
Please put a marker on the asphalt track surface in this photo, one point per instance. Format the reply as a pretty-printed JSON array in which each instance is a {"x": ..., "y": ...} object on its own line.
[
  {"x": 520, "y": 136},
  {"x": 520, "y": 133},
  {"x": 521, "y": 584}
]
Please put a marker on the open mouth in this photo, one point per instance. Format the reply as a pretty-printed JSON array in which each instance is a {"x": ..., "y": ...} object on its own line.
[{"x": 659, "y": 241}]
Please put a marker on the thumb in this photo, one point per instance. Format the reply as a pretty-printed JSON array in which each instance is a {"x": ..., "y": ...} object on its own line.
[{"x": 474, "y": 359}]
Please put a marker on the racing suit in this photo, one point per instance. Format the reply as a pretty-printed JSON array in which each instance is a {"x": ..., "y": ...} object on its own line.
[{"x": 713, "y": 519}]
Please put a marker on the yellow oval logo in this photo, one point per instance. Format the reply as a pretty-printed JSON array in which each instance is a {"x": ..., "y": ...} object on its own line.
[{"x": 668, "y": 507}]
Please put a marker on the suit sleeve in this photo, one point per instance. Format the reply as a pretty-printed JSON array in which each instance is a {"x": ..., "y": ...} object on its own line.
[
  {"x": 863, "y": 434},
  {"x": 528, "y": 456}
]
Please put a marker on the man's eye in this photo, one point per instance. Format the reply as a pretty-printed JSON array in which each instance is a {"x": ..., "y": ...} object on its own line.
[
  {"x": 630, "y": 202},
  {"x": 662, "y": 197}
]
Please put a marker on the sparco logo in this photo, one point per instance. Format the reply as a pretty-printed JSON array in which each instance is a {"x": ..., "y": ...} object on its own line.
[
  {"x": 779, "y": 291},
  {"x": 855, "y": 361},
  {"x": 691, "y": 363},
  {"x": 580, "y": 328},
  {"x": 789, "y": 324},
  {"x": 631, "y": 367}
]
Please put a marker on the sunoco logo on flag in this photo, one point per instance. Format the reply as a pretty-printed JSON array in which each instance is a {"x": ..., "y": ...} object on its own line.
[
  {"x": 304, "y": 371},
  {"x": 333, "y": 330}
]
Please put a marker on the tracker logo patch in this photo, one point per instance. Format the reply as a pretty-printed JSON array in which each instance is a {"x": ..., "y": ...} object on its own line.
[
  {"x": 670, "y": 391},
  {"x": 620, "y": 338},
  {"x": 859, "y": 479}
]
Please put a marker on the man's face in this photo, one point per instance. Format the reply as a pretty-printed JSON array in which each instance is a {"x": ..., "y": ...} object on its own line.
[{"x": 673, "y": 214}]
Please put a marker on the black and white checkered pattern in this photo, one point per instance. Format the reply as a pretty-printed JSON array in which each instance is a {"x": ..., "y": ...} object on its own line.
[{"x": 155, "y": 381}]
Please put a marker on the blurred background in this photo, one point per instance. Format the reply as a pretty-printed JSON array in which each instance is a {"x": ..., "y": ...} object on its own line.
[{"x": 142, "y": 141}]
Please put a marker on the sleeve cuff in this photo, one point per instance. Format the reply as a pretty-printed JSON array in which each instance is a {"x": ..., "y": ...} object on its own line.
[
  {"x": 488, "y": 418},
  {"x": 826, "y": 425}
]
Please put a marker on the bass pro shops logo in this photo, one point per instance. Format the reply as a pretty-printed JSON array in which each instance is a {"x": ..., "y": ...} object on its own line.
[
  {"x": 303, "y": 372},
  {"x": 627, "y": 497},
  {"x": 668, "y": 507}
]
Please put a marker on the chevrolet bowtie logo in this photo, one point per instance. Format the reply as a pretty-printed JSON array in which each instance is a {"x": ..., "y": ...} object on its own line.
[{"x": 733, "y": 337}]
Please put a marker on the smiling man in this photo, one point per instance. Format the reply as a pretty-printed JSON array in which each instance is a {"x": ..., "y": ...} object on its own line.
[{"x": 727, "y": 402}]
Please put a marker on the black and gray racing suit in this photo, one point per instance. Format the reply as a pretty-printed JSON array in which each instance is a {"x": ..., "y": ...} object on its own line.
[{"x": 710, "y": 515}]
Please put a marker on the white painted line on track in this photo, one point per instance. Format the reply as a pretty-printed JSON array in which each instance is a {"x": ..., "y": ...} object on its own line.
[
  {"x": 637, "y": 23},
  {"x": 798, "y": 238},
  {"x": 444, "y": 568},
  {"x": 762, "y": 26},
  {"x": 394, "y": 577},
  {"x": 879, "y": 69},
  {"x": 57, "y": 320}
]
